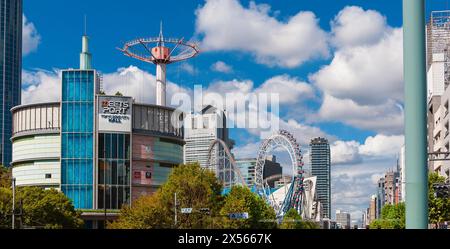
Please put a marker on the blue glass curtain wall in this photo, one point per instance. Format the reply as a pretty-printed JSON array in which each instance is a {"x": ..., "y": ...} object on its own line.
[
  {"x": 77, "y": 136},
  {"x": 113, "y": 169}
]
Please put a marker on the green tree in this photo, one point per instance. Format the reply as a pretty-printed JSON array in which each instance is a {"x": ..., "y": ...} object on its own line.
[
  {"x": 49, "y": 209},
  {"x": 146, "y": 213},
  {"x": 240, "y": 200},
  {"x": 5, "y": 177},
  {"x": 293, "y": 220},
  {"x": 119, "y": 94},
  {"x": 5, "y": 207},
  {"x": 195, "y": 187},
  {"x": 392, "y": 217},
  {"x": 438, "y": 208}
]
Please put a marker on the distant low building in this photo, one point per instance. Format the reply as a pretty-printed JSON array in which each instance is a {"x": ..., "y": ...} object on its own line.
[
  {"x": 271, "y": 168},
  {"x": 343, "y": 219}
]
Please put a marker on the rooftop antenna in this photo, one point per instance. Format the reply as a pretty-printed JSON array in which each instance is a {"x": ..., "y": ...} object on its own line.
[
  {"x": 85, "y": 25},
  {"x": 85, "y": 56},
  {"x": 161, "y": 36}
]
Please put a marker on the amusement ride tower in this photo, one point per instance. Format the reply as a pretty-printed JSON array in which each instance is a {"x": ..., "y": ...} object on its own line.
[{"x": 161, "y": 52}]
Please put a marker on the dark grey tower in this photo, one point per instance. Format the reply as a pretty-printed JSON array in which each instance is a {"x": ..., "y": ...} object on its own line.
[
  {"x": 10, "y": 71},
  {"x": 321, "y": 167}
]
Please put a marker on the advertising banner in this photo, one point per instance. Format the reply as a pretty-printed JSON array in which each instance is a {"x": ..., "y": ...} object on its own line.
[{"x": 114, "y": 114}]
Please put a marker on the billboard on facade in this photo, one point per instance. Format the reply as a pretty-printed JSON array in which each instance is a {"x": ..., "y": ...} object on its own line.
[{"x": 114, "y": 114}]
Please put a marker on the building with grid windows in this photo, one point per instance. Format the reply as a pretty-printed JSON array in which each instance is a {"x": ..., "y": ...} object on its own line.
[
  {"x": 321, "y": 167},
  {"x": 10, "y": 71},
  {"x": 204, "y": 128},
  {"x": 101, "y": 151}
]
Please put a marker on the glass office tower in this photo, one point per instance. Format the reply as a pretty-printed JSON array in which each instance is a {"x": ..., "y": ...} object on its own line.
[
  {"x": 10, "y": 71},
  {"x": 321, "y": 167}
]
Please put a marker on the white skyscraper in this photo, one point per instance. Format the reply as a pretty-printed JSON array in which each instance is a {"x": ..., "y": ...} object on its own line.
[
  {"x": 201, "y": 129},
  {"x": 438, "y": 79}
]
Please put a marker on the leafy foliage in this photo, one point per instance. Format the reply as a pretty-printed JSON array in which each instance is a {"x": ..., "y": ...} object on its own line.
[
  {"x": 49, "y": 209},
  {"x": 240, "y": 200},
  {"x": 392, "y": 217},
  {"x": 5, "y": 177},
  {"x": 196, "y": 188},
  {"x": 146, "y": 213},
  {"x": 438, "y": 208},
  {"x": 293, "y": 220}
]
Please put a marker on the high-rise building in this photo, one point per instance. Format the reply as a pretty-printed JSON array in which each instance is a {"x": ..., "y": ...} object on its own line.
[
  {"x": 343, "y": 219},
  {"x": 380, "y": 196},
  {"x": 200, "y": 131},
  {"x": 373, "y": 209},
  {"x": 364, "y": 219},
  {"x": 438, "y": 79},
  {"x": 321, "y": 167},
  {"x": 390, "y": 187},
  {"x": 10, "y": 71},
  {"x": 247, "y": 169}
]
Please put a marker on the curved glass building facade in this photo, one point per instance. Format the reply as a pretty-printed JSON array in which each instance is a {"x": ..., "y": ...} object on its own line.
[{"x": 63, "y": 145}]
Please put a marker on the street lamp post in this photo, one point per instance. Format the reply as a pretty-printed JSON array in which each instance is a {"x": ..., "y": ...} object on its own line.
[
  {"x": 415, "y": 114},
  {"x": 13, "y": 203}
]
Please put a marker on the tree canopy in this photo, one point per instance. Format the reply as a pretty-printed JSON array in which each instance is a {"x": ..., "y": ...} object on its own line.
[
  {"x": 40, "y": 208},
  {"x": 293, "y": 220},
  {"x": 240, "y": 200},
  {"x": 199, "y": 189},
  {"x": 438, "y": 207},
  {"x": 195, "y": 187},
  {"x": 5, "y": 177},
  {"x": 392, "y": 217}
]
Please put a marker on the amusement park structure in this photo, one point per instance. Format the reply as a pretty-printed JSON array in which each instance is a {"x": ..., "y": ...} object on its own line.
[
  {"x": 160, "y": 51},
  {"x": 220, "y": 159}
]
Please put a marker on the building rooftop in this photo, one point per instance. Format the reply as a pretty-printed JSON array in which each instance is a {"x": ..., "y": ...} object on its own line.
[{"x": 319, "y": 140}]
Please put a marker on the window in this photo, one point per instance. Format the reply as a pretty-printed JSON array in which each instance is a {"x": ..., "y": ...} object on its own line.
[{"x": 48, "y": 176}]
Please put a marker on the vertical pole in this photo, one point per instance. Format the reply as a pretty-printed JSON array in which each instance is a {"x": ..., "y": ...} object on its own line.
[
  {"x": 13, "y": 203},
  {"x": 161, "y": 84},
  {"x": 415, "y": 114},
  {"x": 104, "y": 186},
  {"x": 175, "y": 209}
]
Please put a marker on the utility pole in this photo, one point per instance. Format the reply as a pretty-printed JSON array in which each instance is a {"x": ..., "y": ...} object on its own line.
[
  {"x": 13, "y": 202},
  {"x": 415, "y": 114},
  {"x": 104, "y": 184},
  {"x": 175, "y": 209}
]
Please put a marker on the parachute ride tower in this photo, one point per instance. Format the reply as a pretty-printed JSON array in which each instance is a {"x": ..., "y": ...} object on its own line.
[{"x": 161, "y": 52}]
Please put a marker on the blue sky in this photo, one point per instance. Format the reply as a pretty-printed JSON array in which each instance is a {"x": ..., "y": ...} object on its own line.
[{"x": 362, "y": 121}]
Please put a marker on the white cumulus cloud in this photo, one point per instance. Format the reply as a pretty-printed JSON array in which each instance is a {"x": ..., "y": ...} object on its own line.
[
  {"x": 376, "y": 147},
  {"x": 221, "y": 67},
  {"x": 40, "y": 86},
  {"x": 30, "y": 37},
  {"x": 362, "y": 86},
  {"x": 345, "y": 152},
  {"x": 354, "y": 26},
  {"x": 226, "y": 25}
]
